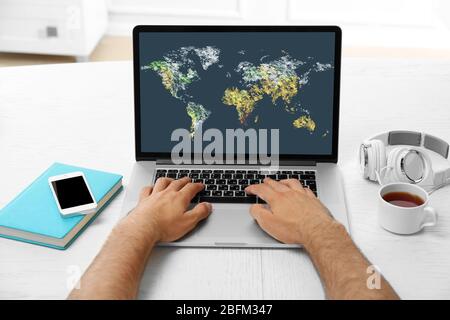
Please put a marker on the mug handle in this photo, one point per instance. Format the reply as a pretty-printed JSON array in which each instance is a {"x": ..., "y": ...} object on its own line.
[{"x": 429, "y": 212}]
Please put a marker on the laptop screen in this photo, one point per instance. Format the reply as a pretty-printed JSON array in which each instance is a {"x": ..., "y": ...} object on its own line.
[{"x": 197, "y": 81}]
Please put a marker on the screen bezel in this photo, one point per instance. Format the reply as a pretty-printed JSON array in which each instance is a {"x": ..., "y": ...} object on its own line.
[{"x": 333, "y": 157}]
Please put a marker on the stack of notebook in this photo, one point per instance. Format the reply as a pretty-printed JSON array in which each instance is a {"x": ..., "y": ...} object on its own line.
[{"x": 33, "y": 215}]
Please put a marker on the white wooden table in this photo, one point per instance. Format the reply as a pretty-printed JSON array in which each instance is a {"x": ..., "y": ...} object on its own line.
[{"x": 82, "y": 114}]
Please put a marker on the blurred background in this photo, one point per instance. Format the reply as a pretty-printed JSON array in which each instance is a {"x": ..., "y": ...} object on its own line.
[{"x": 61, "y": 31}]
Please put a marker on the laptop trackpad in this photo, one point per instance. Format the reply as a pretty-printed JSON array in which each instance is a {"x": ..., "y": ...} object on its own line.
[{"x": 228, "y": 225}]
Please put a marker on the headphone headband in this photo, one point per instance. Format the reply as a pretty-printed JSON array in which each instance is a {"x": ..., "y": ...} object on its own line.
[{"x": 413, "y": 138}]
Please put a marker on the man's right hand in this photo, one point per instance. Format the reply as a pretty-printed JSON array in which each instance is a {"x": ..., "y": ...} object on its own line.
[{"x": 293, "y": 213}]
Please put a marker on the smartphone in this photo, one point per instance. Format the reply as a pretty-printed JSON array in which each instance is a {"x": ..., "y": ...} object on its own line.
[{"x": 72, "y": 194}]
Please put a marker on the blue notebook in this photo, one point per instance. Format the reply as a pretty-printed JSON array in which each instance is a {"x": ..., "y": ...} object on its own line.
[{"x": 33, "y": 215}]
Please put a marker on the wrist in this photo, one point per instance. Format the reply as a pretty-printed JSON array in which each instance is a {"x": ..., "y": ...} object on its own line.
[
  {"x": 142, "y": 226},
  {"x": 327, "y": 230}
]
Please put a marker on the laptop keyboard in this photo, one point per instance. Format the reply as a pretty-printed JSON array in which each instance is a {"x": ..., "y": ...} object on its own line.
[{"x": 227, "y": 186}]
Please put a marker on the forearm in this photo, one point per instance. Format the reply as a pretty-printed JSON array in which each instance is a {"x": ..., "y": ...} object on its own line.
[
  {"x": 342, "y": 267},
  {"x": 117, "y": 269}
]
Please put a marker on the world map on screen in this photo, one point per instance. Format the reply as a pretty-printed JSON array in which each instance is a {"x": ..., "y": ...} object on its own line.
[{"x": 275, "y": 79}]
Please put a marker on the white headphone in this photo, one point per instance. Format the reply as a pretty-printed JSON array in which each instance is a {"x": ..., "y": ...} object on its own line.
[{"x": 406, "y": 156}]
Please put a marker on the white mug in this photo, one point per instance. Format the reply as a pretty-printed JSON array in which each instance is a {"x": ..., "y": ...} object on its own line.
[{"x": 405, "y": 220}]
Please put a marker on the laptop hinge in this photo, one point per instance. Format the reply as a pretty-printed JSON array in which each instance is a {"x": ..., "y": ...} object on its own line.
[
  {"x": 282, "y": 163},
  {"x": 298, "y": 163}
]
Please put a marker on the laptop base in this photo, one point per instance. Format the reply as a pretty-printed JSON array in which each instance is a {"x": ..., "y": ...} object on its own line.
[{"x": 231, "y": 225}]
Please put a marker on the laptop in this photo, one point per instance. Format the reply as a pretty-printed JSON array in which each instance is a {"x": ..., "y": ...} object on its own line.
[{"x": 230, "y": 105}]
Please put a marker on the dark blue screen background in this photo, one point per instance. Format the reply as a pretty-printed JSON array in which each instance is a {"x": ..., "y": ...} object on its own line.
[{"x": 161, "y": 113}]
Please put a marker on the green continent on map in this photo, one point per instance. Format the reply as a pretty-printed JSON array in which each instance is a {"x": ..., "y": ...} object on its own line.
[
  {"x": 172, "y": 78},
  {"x": 198, "y": 115}
]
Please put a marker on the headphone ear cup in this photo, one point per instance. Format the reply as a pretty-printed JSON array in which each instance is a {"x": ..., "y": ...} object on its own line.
[
  {"x": 370, "y": 161},
  {"x": 378, "y": 156},
  {"x": 389, "y": 163},
  {"x": 428, "y": 169},
  {"x": 392, "y": 164},
  {"x": 363, "y": 156},
  {"x": 418, "y": 177},
  {"x": 382, "y": 157}
]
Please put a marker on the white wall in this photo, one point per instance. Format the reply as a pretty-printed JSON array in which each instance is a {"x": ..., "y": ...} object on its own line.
[{"x": 386, "y": 23}]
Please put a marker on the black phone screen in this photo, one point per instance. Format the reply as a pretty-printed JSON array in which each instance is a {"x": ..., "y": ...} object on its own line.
[{"x": 72, "y": 192}]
